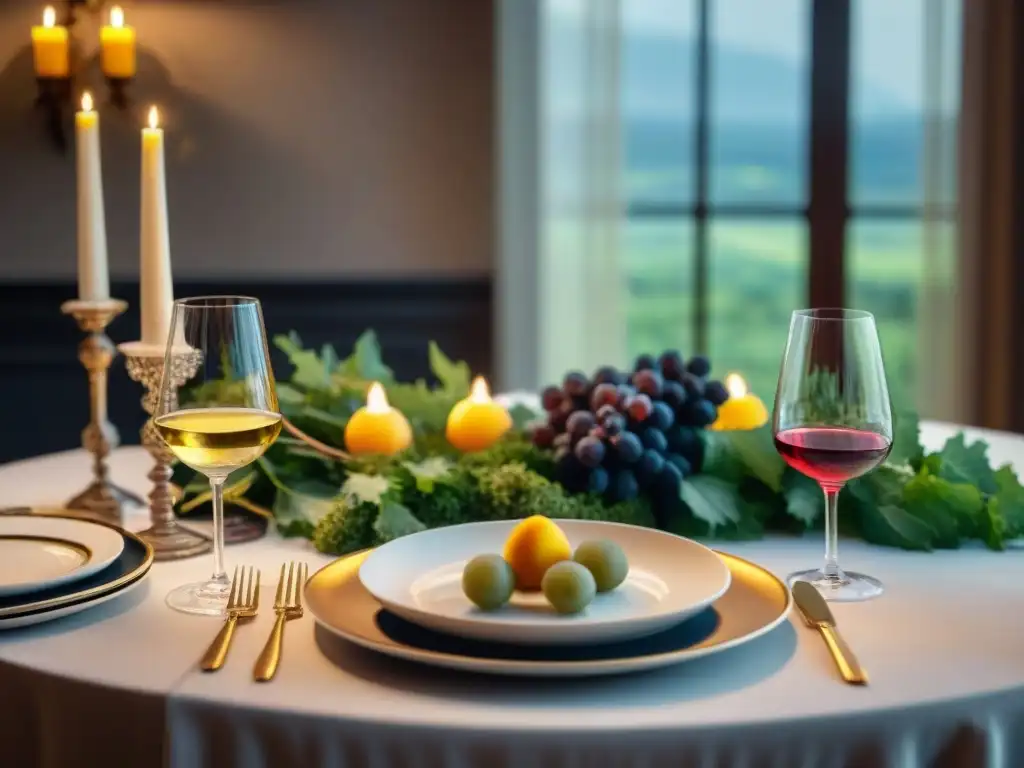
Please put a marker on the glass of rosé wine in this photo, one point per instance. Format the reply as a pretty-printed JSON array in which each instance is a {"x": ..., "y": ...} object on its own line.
[{"x": 833, "y": 422}]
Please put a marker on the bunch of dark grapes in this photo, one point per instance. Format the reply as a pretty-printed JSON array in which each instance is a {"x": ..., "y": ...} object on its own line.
[{"x": 622, "y": 434}]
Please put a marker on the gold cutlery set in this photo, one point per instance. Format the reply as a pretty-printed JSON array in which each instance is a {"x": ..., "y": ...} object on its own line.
[
  {"x": 244, "y": 603},
  {"x": 817, "y": 614}
]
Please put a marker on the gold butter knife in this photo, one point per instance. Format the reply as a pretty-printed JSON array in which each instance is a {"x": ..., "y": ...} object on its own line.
[{"x": 817, "y": 614}]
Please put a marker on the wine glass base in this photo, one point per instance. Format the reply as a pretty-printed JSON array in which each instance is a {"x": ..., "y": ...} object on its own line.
[
  {"x": 847, "y": 587},
  {"x": 204, "y": 598}
]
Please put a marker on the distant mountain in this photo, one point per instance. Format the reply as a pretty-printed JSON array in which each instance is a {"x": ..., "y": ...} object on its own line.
[{"x": 748, "y": 87}]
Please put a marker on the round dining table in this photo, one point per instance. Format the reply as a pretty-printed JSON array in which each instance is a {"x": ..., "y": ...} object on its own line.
[{"x": 120, "y": 685}]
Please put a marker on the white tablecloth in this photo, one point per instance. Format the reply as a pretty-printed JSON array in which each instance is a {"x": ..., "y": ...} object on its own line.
[{"x": 119, "y": 685}]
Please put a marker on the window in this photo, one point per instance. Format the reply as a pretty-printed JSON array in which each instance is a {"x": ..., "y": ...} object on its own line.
[{"x": 732, "y": 111}]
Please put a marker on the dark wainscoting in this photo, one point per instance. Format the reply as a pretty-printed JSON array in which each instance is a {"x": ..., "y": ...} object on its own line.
[{"x": 43, "y": 390}]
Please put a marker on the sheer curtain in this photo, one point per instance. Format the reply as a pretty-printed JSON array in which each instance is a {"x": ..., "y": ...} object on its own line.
[
  {"x": 559, "y": 279},
  {"x": 940, "y": 392}
]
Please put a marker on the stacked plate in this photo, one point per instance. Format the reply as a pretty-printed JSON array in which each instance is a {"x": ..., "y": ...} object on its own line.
[
  {"x": 56, "y": 566},
  {"x": 680, "y": 601}
]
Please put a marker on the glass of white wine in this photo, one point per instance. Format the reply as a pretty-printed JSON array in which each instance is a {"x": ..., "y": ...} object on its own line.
[{"x": 233, "y": 419}]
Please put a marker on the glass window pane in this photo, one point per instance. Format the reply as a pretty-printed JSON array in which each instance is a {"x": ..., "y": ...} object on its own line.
[
  {"x": 657, "y": 99},
  {"x": 758, "y": 276},
  {"x": 658, "y": 262},
  {"x": 884, "y": 266},
  {"x": 759, "y": 101},
  {"x": 887, "y": 100}
]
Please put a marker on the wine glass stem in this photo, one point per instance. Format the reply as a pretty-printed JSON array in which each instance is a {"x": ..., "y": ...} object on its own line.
[
  {"x": 831, "y": 569},
  {"x": 217, "y": 488}
]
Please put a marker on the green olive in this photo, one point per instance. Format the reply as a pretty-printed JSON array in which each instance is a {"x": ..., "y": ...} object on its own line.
[
  {"x": 488, "y": 581},
  {"x": 606, "y": 562},
  {"x": 568, "y": 586}
]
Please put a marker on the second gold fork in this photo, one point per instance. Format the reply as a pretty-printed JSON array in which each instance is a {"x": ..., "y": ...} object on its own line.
[{"x": 243, "y": 603}]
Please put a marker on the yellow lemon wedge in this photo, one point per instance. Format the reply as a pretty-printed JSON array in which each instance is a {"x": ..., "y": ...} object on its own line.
[{"x": 533, "y": 546}]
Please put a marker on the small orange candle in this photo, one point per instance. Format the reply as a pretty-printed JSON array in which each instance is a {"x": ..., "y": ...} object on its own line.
[
  {"x": 477, "y": 422},
  {"x": 743, "y": 409},
  {"x": 377, "y": 427}
]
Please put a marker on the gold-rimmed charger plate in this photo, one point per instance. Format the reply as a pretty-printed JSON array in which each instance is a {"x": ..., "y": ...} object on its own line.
[
  {"x": 756, "y": 602},
  {"x": 127, "y": 569}
]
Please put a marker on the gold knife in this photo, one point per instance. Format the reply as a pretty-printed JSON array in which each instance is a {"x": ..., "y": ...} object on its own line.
[{"x": 817, "y": 614}]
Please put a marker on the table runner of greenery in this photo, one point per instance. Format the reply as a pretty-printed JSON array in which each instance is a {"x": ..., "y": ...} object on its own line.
[{"x": 916, "y": 500}]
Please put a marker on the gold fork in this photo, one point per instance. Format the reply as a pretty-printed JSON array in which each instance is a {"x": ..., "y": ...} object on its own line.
[
  {"x": 287, "y": 605},
  {"x": 243, "y": 602}
]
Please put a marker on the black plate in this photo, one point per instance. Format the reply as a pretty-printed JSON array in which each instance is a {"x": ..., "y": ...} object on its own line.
[
  {"x": 131, "y": 565},
  {"x": 686, "y": 634}
]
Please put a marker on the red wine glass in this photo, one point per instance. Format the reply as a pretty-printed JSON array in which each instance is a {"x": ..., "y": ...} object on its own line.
[{"x": 833, "y": 422}]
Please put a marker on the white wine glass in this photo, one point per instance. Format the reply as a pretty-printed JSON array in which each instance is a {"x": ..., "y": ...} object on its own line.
[{"x": 231, "y": 424}]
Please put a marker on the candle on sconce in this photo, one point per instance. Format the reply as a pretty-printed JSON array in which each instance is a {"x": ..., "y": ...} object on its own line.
[
  {"x": 93, "y": 277},
  {"x": 156, "y": 290},
  {"x": 117, "y": 47},
  {"x": 50, "y": 47},
  {"x": 743, "y": 409},
  {"x": 477, "y": 422},
  {"x": 377, "y": 427}
]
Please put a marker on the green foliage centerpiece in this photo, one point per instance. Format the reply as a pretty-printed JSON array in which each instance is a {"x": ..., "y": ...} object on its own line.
[{"x": 624, "y": 448}]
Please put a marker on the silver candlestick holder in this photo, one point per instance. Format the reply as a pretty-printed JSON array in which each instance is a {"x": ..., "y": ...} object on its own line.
[
  {"x": 145, "y": 364},
  {"x": 96, "y": 352}
]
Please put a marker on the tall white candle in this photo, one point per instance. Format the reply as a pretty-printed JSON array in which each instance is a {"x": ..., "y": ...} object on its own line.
[
  {"x": 93, "y": 278},
  {"x": 157, "y": 293}
]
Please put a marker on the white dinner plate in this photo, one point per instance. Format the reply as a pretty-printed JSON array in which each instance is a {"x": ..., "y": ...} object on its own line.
[
  {"x": 42, "y": 552},
  {"x": 419, "y": 578}
]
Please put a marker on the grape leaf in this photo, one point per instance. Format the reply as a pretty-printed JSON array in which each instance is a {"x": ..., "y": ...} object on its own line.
[
  {"x": 712, "y": 500},
  {"x": 881, "y": 487},
  {"x": 307, "y": 500},
  {"x": 310, "y": 371},
  {"x": 992, "y": 528},
  {"x": 522, "y": 416},
  {"x": 396, "y": 520},
  {"x": 804, "y": 499},
  {"x": 733, "y": 454},
  {"x": 952, "y": 510},
  {"x": 428, "y": 472},
  {"x": 365, "y": 360},
  {"x": 289, "y": 395},
  {"x": 962, "y": 463},
  {"x": 906, "y": 443},
  {"x": 1008, "y": 502},
  {"x": 721, "y": 459},
  {"x": 892, "y": 526},
  {"x": 365, "y": 488},
  {"x": 454, "y": 376}
]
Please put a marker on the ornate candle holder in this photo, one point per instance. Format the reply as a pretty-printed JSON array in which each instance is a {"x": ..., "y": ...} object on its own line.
[
  {"x": 145, "y": 363},
  {"x": 96, "y": 352}
]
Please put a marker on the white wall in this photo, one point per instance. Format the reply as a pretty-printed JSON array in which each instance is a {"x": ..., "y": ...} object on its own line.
[{"x": 305, "y": 138}]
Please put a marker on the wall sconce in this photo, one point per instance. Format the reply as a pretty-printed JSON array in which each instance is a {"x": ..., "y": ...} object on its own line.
[
  {"x": 117, "y": 56},
  {"x": 55, "y": 57},
  {"x": 51, "y": 55}
]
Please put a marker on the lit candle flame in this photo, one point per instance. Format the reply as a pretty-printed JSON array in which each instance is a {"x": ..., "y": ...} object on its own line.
[
  {"x": 49, "y": 16},
  {"x": 479, "y": 393},
  {"x": 736, "y": 386},
  {"x": 87, "y": 102},
  {"x": 116, "y": 17},
  {"x": 154, "y": 118},
  {"x": 376, "y": 400}
]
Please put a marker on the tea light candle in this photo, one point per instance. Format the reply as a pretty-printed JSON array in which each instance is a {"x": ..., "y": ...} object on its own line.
[
  {"x": 743, "y": 409},
  {"x": 477, "y": 422},
  {"x": 117, "y": 47},
  {"x": 50, "y": 47},
  {"x": 93, "y": 277},
  {"x": 377, "y": 427}
]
